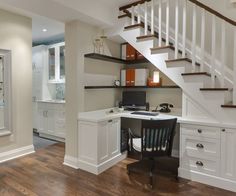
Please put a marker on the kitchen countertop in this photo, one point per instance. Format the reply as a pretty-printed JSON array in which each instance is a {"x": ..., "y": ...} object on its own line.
[{"x": 52, "y": 101}]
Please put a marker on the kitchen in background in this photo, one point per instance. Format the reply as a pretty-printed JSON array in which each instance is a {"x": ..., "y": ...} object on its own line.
[{"x": 48, "y": 93}]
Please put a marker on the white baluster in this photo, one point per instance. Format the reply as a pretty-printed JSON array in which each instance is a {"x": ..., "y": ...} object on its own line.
[
  {"x": 139, "y": 14},
  {"x": 167, "y": 21},
  {"x": 184, "y": 29},
  {"x": 194, "y": 33},
  {"x": 132, "y": 16},
  {"x": 160, "y": 22},
  {"x": 203, "y": 28},
  {"x": 213, "y": 51},
  {"x": 234, "y": 55},
  {"x": 176, "y": 28},
  {"x": 145, "y": 18},
  {"x": 152, "y": 17},
  {"x": 223, "y": 48}
]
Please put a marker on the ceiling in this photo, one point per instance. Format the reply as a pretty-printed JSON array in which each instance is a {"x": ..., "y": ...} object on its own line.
[
  {"x": 104, "y": 16},
  {"x": 55, "y": 30}
]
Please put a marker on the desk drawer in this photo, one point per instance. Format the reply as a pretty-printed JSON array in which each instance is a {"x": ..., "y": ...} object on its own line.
[
  {"x": 201, "y": 131},
  {"x": 197, "y": 147},
  {"x": 201, "y": 165}
]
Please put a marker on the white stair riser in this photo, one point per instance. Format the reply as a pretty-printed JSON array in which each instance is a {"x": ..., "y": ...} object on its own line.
[
  {"x": 149, "y": 39},
  {"x": 201, "y": 79},
  {"x": 187, "y": 65}
]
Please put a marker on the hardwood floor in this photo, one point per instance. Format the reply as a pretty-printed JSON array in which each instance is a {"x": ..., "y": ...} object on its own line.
[{"x": 43, "y": 174}]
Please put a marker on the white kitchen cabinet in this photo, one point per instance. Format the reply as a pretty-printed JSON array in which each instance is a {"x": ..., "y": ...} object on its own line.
[
  {"x": 99, "y": 145},
  {"x": 51, "y": 120},
  {"x": 228, "y": 153},
  {"x": 56, "y": 63}
]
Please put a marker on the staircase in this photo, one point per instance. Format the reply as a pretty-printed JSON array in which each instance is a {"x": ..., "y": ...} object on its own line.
[{"x": 174, "y": 36}]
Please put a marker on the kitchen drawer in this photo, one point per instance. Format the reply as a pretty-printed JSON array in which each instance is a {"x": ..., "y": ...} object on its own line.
[
  {"x": 197, "y": 147},
  {"x": 201, "y": 131},
  {"x": 201, "y": 165}
]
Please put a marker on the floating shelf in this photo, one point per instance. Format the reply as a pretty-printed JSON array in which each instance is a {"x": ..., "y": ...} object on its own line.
[
  {"x": 114, "y": 59},
  {"x": 128, "y": 87}
]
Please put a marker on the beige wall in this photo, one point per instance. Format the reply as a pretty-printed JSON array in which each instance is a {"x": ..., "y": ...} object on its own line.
[{"x": 16, "y": 35}]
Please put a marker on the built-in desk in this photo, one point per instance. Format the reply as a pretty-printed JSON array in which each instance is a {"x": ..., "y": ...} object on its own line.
[
  {"x": 206, "y": 152},
  {"x": 99, "y": 137}
]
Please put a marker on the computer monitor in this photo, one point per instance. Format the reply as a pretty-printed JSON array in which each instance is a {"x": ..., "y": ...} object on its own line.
[{"x": 134, "y": 98}]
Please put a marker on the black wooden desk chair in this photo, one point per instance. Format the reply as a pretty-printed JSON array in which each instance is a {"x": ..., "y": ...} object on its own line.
[{"x": 156, "y": 141}]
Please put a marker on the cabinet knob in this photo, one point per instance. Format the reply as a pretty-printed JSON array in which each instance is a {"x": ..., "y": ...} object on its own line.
[
  {"x": 199, "y": 131},
  {"x": 223, "y": 130},
  {"x": 199, "y": 163},
  {"x": 200, "y": 146},
  {"x": 109, "y": 121}
]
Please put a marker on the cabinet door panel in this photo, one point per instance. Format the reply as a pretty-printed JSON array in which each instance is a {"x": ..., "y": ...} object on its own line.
[
  {"x": 228, "y": 154},
  {"x": 114, "y": 137},
  {"x": 51, "y": 63},
  {"x": 103, "y": 153},
  {"x": 50, "y": 121},
  {"x": 42, "y": 125}
]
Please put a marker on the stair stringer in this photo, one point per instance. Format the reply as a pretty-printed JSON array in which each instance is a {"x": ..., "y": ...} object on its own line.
[{"x": 208, "y": 102}]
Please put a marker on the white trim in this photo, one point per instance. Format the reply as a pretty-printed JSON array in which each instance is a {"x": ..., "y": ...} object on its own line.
[
  {"x": 97, "y": 169},
  {"x": 207, "y": 179},
  {"x": 16, "y": 153},
  {"x": 4, "y": 133},
  {"x": 71, "y": 162}
]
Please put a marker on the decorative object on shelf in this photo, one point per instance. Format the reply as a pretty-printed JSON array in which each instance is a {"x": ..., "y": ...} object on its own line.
[
  {"x": 96, "y": 44},
  {"x": 155, "y": 80},
  {"x": 102, "y": 48},
  {"x": 165, "y": 108},
  {"x": 117, "y": 82}
]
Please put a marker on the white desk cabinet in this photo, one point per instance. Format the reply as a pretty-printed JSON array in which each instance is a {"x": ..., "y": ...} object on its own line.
[
  {"x": 99, "y": 145},
  {"x": 208, "y": 155},
  {"x": 51, "y": 120}
]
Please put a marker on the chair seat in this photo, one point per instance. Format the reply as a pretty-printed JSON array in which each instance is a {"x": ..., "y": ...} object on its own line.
[{"x": 137, "y": 145}]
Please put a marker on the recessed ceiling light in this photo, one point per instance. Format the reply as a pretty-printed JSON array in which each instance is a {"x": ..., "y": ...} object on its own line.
[{"x": 45, "y": 30}]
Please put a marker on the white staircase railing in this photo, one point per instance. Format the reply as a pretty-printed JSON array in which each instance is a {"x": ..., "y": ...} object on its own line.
[{"x": 152, "y": 14}]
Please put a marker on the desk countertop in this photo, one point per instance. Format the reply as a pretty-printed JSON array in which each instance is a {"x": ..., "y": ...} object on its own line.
[{"x": 103, "y": 115}]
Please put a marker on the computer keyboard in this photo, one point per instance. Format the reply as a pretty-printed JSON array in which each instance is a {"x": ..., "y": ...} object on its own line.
[{"x": 146, "y": 113}]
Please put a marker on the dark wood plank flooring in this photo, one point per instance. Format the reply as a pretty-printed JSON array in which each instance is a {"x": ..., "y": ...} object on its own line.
[{"x": 43, "y": 174}]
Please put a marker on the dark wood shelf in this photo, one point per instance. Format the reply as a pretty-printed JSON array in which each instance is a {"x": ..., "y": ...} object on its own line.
[
  {"x": 114, "y": 59},
  {"x": 128, "y": 87}
]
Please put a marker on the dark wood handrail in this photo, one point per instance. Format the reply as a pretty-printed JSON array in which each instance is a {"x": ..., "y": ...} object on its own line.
[{"x": 207, "y": 8}]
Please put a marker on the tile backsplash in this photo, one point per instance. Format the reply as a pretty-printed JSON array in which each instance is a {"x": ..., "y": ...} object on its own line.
[{"x": 60, "y": 91}]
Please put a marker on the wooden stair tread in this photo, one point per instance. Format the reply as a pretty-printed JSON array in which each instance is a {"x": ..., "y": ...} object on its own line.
[
  {"x": 181, "y": 59},
  {"x": 214, "y": 89},
  {"x": 161, "y": 47},
  {"x": 135, "y": 25},
  {"x": 124, "y": 15},
  {"x": 147, "y": 36},
  {"x": 196, "y": 74},
  {"x": 228, "y": 106}
]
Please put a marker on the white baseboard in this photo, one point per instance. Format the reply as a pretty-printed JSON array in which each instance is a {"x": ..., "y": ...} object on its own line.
[
  {"x": 97, "y": 169},
  {"x": 16, "y": 153},
  {"x": 208, "y": 179},
  {"x": 71, "y": 162}
]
